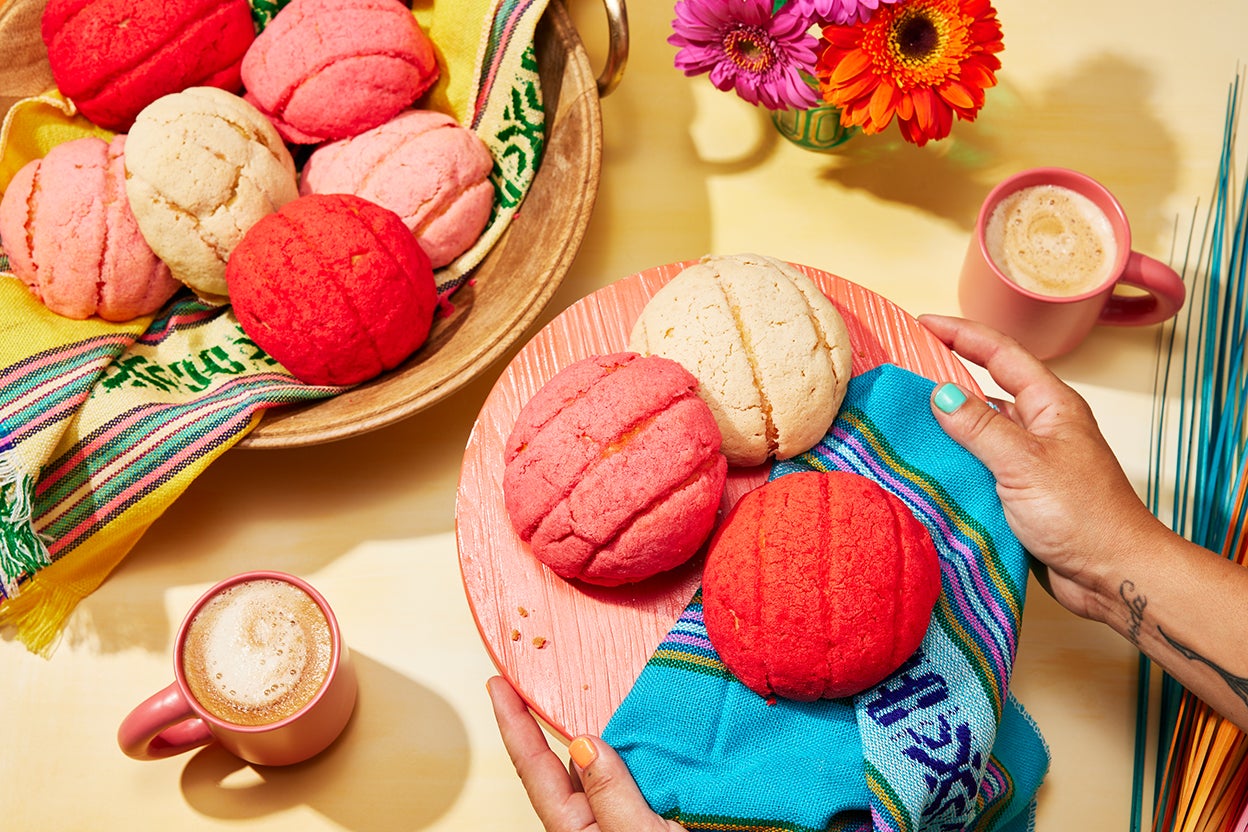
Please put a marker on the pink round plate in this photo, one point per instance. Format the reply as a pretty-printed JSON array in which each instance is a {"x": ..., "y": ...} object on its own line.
[{"x": 572, "y": 650}]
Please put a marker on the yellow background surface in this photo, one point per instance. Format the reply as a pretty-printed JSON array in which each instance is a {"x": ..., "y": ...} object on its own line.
[{"x": 1131, "y": 93}]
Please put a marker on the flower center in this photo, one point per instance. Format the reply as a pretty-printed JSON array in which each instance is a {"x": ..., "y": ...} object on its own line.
[
  {"x": 749, "y": 48},
  {"x": 916, "y": 38}
]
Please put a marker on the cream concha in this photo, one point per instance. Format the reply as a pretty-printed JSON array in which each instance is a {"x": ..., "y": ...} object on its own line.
[
  {"x": 770, "y": 351},
  {"x": 202, "y": 167}
]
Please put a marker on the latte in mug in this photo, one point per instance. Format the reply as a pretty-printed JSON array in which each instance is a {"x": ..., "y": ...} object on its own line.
[
  {"x": 257, "y": 652},
  {"x": 1051, "y": 240}
]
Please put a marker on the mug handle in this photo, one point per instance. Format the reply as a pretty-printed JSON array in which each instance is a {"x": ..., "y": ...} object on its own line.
[
  {"x": 1164, "y": 294},
  {"x": 162, "y": 726}
]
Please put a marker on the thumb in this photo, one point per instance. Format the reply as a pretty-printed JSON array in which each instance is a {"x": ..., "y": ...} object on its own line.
[
  {"x": 617, "y": 803},
  {"x": 985, "y": 432}
]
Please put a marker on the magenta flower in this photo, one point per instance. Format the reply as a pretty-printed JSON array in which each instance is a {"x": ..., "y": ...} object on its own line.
[
  {"x": 747, "y": 49},
  {"x": 840, "y": 12}
]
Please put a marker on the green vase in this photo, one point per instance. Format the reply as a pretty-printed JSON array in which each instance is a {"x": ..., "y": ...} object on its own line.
[{"x": 818, "y": 128}]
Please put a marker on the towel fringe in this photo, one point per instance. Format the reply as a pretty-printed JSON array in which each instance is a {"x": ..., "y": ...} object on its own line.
[
  {"x": 22, "y": 550},
  {"x": 38, "y": 615}
]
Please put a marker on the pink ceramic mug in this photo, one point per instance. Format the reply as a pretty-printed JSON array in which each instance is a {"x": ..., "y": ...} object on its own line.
[
  {"x": 176, "y": 720},
  {"x": 1050, "y": 325}
]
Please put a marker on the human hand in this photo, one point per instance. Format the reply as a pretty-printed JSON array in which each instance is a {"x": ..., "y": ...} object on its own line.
[
  {"x": 1064, "y": 493},
  {"x": 596, "y": 792}
]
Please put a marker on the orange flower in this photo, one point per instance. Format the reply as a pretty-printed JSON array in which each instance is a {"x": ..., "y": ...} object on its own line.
[{"x": 922, "y": 61}]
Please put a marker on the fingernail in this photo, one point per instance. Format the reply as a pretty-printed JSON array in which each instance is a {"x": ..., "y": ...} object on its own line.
[
  {"x": 582, "y": 751},
  {"x": 949, "y": 397}
]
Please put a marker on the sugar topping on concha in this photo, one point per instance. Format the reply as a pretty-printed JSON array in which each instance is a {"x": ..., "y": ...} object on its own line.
[
  {"x": 202, "y": 167},
  {"x": 818, "y": 585},
  {"x": 112, "y": 58},
  {"x": 613, "y": 470},
  {"x": 770, "y": 351},
  {"x": 334, "y": 287},
  {"x": 70, "y": 236}
]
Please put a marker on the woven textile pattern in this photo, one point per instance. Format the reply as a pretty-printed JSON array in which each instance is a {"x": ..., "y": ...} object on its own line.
[
  {"x": 103, "y": 425},
  {"x": 938, "y": 745}
]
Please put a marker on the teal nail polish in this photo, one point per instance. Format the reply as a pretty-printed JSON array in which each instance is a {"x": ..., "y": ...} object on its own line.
[{"x": 949, "y": 397}]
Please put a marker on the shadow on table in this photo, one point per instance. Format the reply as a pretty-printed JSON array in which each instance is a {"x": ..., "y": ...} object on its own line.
[
  {"x": 1112, "y": 357},
  {"x": 1098, "y": 118},
  {"x": 1086, "y": 119},
  {"x": 400, "y": 764},
  {"x": 654, "y": 201},
  {"x": 214, "y": 529}
]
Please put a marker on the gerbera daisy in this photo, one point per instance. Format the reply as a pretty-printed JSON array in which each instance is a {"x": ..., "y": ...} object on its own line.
[
  {"x": 922, "y": 61},
  {"x": 747, "y": 49},
  {"x": 839, "y": 12}
]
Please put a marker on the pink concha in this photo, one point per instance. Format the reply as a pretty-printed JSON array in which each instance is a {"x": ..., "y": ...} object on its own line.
[
  {"x": 424, "y": 166},
  {"x": 71, "y": 237},
  {"x": 656, "y": 540},
  {"x": 328, "y": 69},
  {"x": 613, "y": 470}
]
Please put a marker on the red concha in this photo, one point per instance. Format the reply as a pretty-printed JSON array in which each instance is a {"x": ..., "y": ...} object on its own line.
[
  {"x": 818, "y": 586},
  {"x": 114, "y": 57},
  {"x": 333, "y": 287}
]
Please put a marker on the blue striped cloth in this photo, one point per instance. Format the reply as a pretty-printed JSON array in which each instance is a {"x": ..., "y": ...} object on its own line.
[{"x": 938, "y": 745}]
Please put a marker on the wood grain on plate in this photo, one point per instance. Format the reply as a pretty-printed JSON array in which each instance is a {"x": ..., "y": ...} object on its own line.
[
  {"x": 508, "y": 289},
  {"x": 572, "y": 650}
]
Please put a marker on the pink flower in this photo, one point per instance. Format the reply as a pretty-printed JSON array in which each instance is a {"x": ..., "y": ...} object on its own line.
[
  {"x": 840, "y": 12},
  {"x": 747, "y": 49}
]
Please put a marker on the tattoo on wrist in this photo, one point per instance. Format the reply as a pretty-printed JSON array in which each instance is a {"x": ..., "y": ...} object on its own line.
[
  {"x": 1135, "y": 608},
  {"x": 1237, "y": 684}
]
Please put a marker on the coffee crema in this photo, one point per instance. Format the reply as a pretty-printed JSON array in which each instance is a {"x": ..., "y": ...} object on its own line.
[
  {"x": 1051, "y": 240},
  {"x": 257, "y": 652}
]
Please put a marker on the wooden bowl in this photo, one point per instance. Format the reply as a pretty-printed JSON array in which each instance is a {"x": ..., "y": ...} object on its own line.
[{"x": 508, "y": 289}]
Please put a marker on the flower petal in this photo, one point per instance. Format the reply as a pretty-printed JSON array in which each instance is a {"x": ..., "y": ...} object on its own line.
[
  {"x": 850, "y": 65},
  {"x": 794, "y": 92},
  {"x": 975, "y": 74},
  {"x": 844, "y": 37},
  {"x": 905, "y": 108},
  {"x": 855, "y": 114},
  {"x": 723, "y": 75},
  {"x": 747, "y": 89},
  {"x": 956, "y": 94},
  {"x": 924, "y": 108},
  {"x": 881, "y": 105},
  {"x": 861, "y": 85},
  {"x": 911, "y": 133}
]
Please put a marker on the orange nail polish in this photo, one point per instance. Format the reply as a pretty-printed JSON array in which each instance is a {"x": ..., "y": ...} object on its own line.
[{"x": 582, "y": 751}]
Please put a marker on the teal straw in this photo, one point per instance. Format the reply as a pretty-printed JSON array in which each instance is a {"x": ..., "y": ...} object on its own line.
[
  {"x": 1209, "y": 457},
  {"x": 1166, "y": 338}
]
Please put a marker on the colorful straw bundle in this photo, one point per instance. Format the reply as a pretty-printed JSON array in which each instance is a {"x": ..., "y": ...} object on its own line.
[{"x": 1201, "y": 780}]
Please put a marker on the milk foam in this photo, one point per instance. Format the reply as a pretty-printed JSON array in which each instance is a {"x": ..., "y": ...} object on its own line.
[
  {"x": 257, "y": 652},
  {"x": 1052, "y": 241}
]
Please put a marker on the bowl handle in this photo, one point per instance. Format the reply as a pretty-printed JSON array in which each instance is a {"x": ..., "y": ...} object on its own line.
[{"x": 617, "y": 47}]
